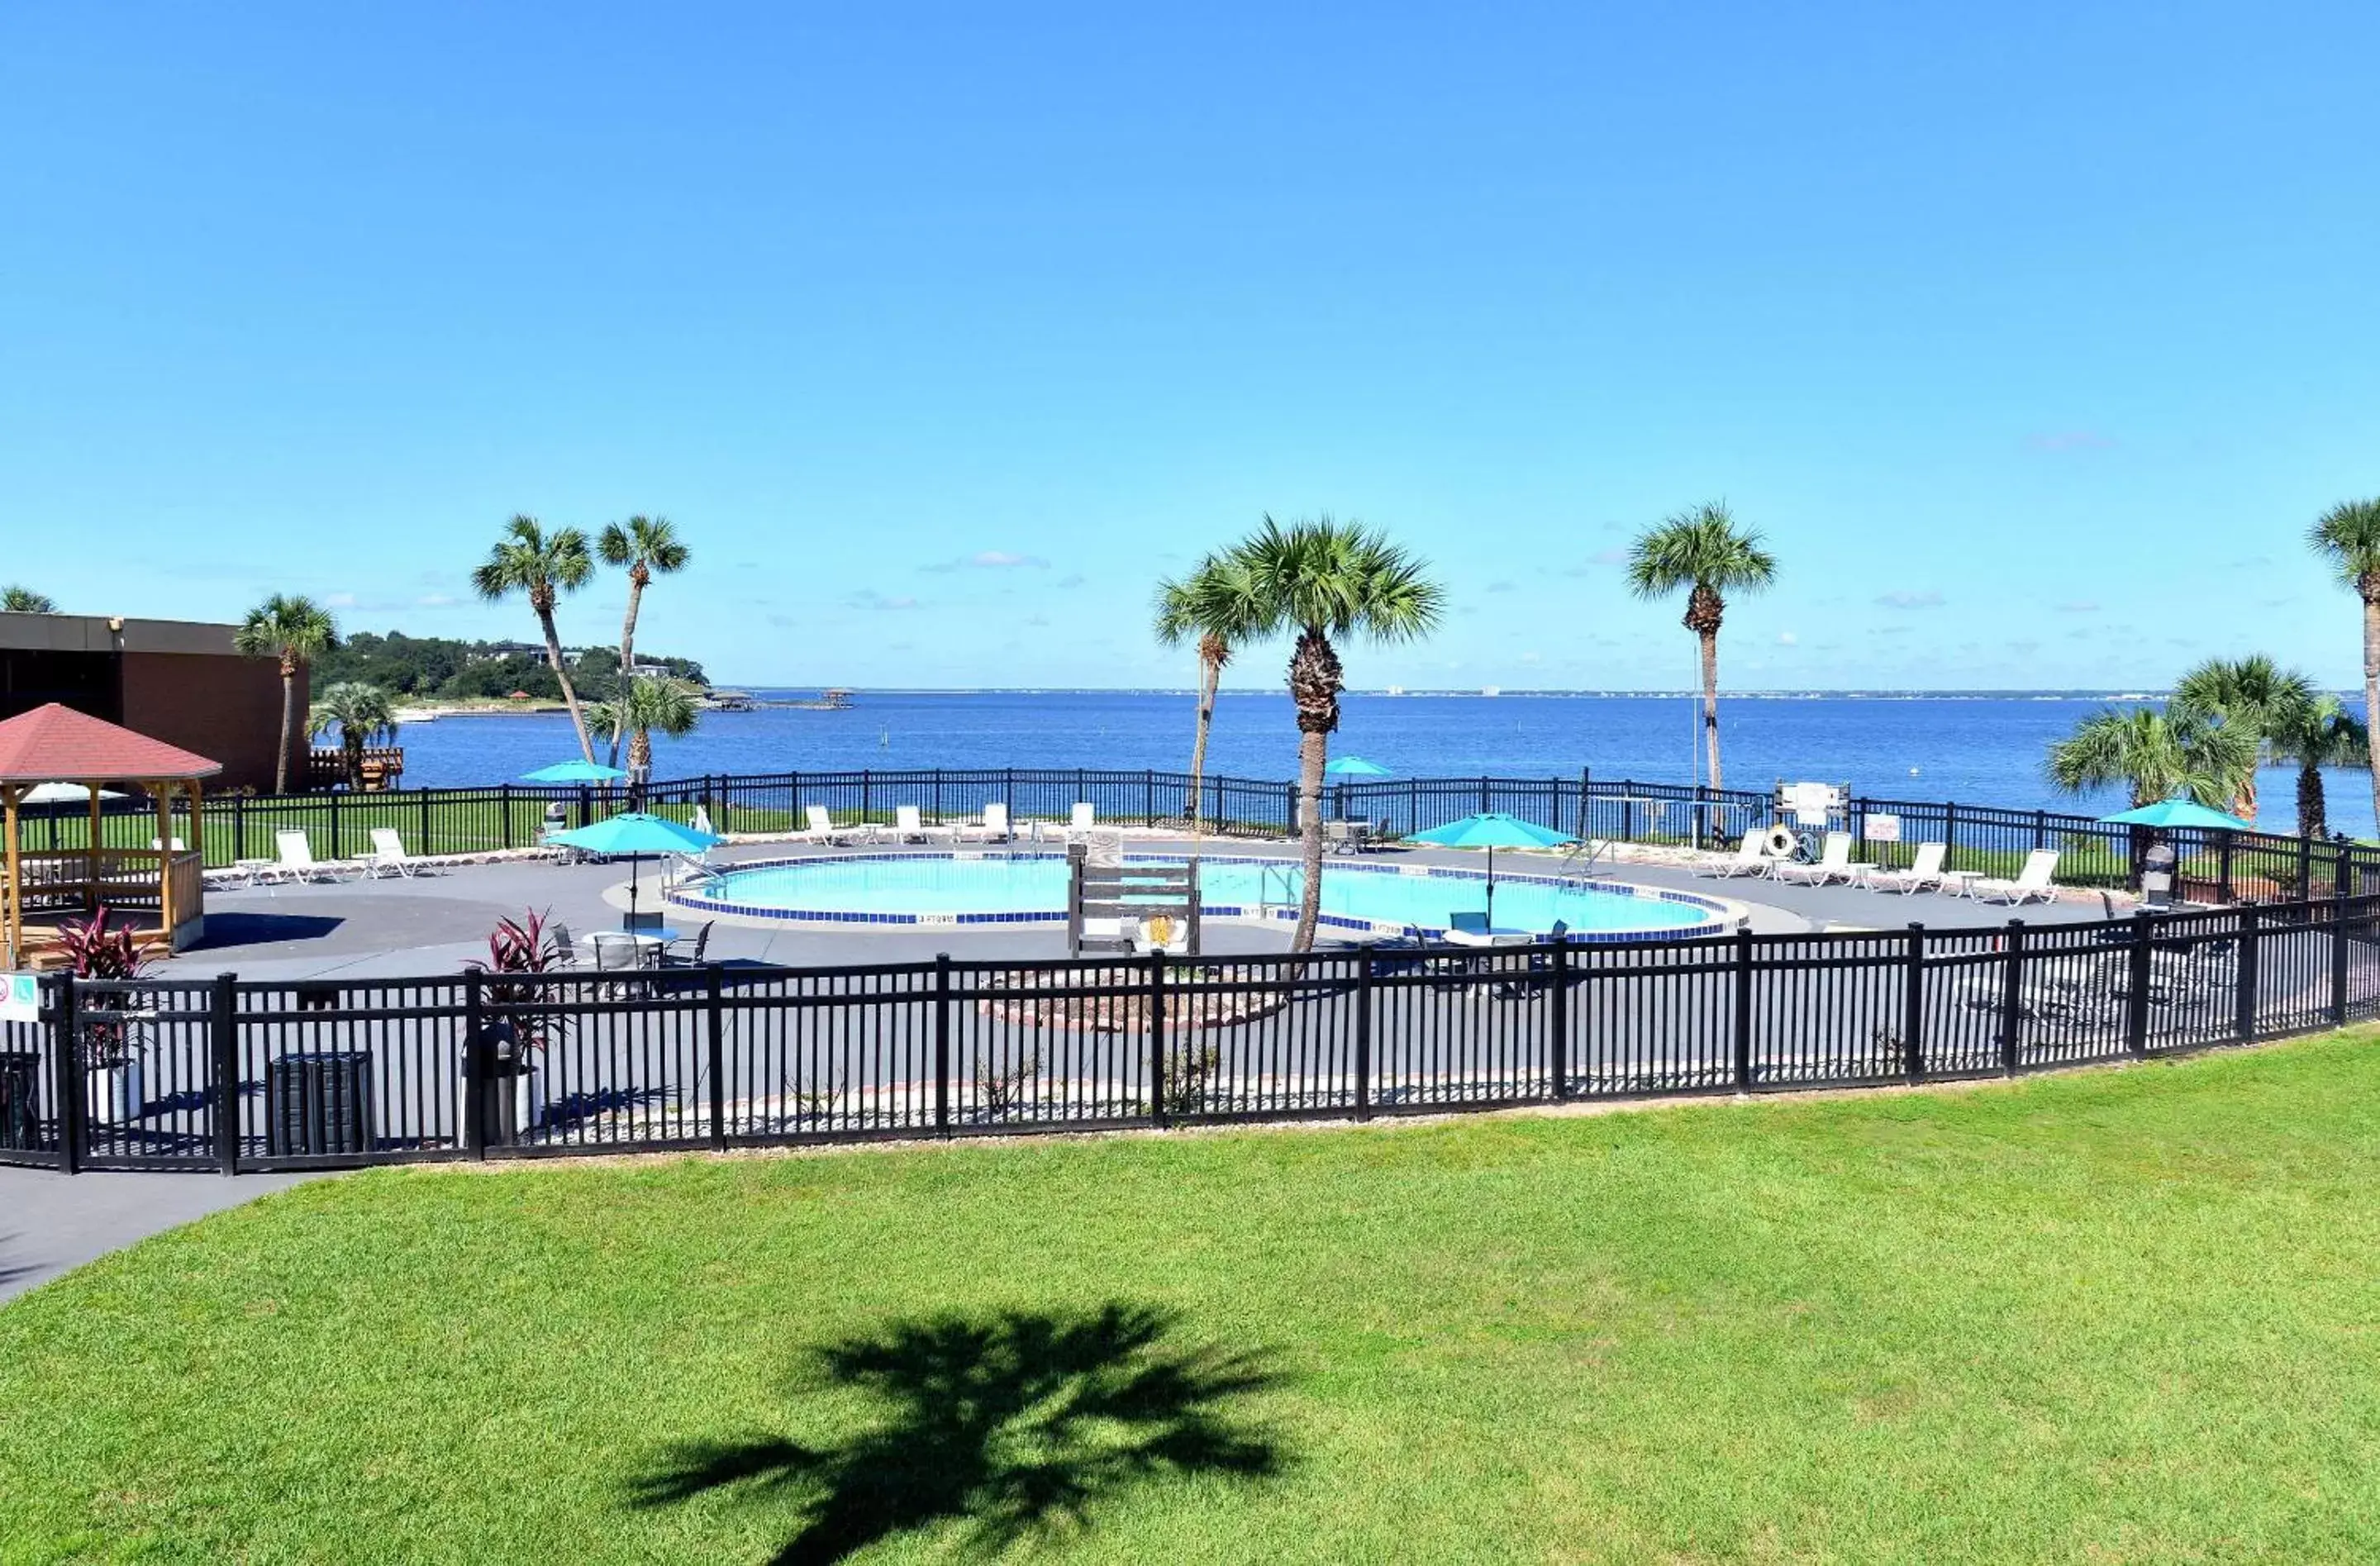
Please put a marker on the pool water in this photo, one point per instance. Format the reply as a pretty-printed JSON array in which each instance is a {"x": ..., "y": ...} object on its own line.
[{"x": 908, "y": 888}]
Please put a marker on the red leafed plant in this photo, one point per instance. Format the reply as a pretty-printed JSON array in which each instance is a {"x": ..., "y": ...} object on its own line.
[
  {"x": 522, "y": 946},
  {"x": 94, "y": 949}
]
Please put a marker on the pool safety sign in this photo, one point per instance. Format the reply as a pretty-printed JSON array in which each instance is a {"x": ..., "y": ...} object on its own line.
[{"x": 22, "y": 1001}]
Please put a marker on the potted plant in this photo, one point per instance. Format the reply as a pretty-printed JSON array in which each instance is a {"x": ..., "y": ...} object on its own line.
[
  {"x": 515, "y": 1039},
  {"x": 93, "y": 948}
]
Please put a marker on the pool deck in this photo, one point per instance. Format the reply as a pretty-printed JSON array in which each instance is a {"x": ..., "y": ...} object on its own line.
[{"x": 433, "y": 923}]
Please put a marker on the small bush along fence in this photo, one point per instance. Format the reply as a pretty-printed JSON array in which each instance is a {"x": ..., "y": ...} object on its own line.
[
  {"x": 2217, "y": 866},
  {"x": 225, "y": 1074}
]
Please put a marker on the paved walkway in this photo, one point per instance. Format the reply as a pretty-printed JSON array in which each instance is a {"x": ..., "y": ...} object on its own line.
[{"x": 50, "y": 1221}]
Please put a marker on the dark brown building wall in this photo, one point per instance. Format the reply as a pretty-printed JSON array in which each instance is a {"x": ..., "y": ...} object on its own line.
[{"x": 228, "y": 710}]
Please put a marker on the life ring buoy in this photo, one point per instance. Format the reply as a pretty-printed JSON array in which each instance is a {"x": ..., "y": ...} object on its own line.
[{"x": 1782, "y": 844}]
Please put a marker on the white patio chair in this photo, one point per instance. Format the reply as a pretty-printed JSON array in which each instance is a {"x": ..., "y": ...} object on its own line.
[
  {"x": 2032, "y": 883},
  {"x": 1834, "y": 862},
  {"x": 388, "y": 856},
  {"x": 1749, "y": 859},
  {"x": 908, "y": 826},
  {"x": 294, "y": 859},
  {"x": 822, "y": 830},
  {"x": 993, "y": 828},
  {"x": 1924, "y": 874}
]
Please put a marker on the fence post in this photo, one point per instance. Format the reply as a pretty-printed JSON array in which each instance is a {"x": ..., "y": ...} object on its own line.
[
  {"x": 1008, "y": 795},
  {"x": 1363, "y": 1034},
  {"x": 421, "y": 844},
  {"x": 586, "y": 804},
  {"x": 1583, "y": 785},
  {"x": 1482, "y": 794},
  {"x": 223, "y": 1035},
  {"x": 2338, "y": 962},
  {"x": 338, "y": 849},
  {"x": 1558, "y": 1021},
  {"x": 2040, "y": 829},
  {"x": 938, "y": 797},
  {"x": 2223, "y": 865},
  {"x": 2303, "y": 892},
  {"x": 2144, "y": 961},
  {"x": 475, "y": 1065},
  {"x": 867, "y": 788},
  {"x": 1157, "y": 1038},
  {"x": 2243, "y": 1019},
  {"x": 2012, "y": 997},
  {"x": 504, "y": 807},
  {"x": 941, "y": 1043},
  {"x": 1912, "y": 1006},
  {"x": 240, "y": 826},
  {"x": 1949, "y": 836},
  {"x": 1148, "y": 797},
  {"x": 1289, "y": 796},
  {"x": 1743, "y": 1023},
  {"x": 715, "y": 1044},
  {"x": 67, "y": 1070}
]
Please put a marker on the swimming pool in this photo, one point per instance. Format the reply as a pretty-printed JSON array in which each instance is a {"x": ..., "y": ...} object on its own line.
[{"x": 941, "y": 889}]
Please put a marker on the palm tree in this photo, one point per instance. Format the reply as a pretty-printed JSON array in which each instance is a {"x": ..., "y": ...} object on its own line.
[
  {"x": 2348, "y": 535},
  {"x": 2315, "y": 734},
  {"x": 18, "y": 600},
  {"x": 2155, "y": 755},
  {"x": 1702, "y": 552},
  {"x": 1216, "y": 605},
  {"x": 2247, "y": 692},
  {"x": 295, "y": 630},
  {"x": 361, "y": 713},
  {"x": 647, "y": 546},
  {"x": 1328, "y": 581},
  {"x": 647, "y": 704},
  {"x": 544, "y": 567}
]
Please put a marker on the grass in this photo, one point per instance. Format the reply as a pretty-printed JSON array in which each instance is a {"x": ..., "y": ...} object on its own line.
[{"x": 2121, "y": 1316}]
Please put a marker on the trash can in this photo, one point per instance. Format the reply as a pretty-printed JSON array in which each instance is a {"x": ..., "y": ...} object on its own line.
[
  {"x": 319, "y": 1104},
  {"x": 21, "y": 1109},
  {"x": 2157, "y": 874}
]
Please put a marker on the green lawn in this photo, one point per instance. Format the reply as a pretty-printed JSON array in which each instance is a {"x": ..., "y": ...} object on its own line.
[{"x": 2123, "y": 1317}]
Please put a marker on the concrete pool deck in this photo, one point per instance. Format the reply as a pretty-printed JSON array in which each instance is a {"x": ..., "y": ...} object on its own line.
[{"x": 433, "y": 923}]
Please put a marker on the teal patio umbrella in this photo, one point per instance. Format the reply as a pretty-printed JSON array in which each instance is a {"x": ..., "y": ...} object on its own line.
[
  {"x": 575, "y": 772},
  {"x": 636, "y": 835},
  {"x": 1492, "y": 830},
  {"x": 2179, "y": 811},
  {"x": 1354, "y": 767}
]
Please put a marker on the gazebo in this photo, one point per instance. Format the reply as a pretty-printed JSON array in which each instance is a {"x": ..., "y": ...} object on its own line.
[{"x": 57, "y": 745}]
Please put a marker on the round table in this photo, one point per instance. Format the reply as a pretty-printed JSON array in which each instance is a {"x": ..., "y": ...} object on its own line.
[{"x": 1961, "y": 883}]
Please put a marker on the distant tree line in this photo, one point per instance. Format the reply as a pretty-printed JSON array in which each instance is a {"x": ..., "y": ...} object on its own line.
[{"x": 444, "y": 669}]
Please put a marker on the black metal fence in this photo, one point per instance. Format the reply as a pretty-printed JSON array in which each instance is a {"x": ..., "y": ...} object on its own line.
[
  {"x": 223, "y": 1074},
  {"x": 2220, "y": 866}
]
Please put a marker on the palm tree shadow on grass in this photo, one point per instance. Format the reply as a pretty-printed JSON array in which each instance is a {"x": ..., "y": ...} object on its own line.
[{"x": 1014, "y": 1425}]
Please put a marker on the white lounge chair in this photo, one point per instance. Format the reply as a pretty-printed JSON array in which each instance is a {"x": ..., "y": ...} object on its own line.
[
  {"x": 157, "y": 845},
  {"x": 1080, "y": 823},
  {"x": 2032, "y": 883},
  {"x": 1924, "y": 872},
  {"x": 701, "y": 822},
  {"x": 294, "y": 859},
  {"x": 822, "y": 827},
  {"x": 1834, "y": 862},
  {"x": 388, "y": 856},
  {"x": 1749, "y": 859},
  {"x": 993, "y": 828},
  {"x": 909, "y": 827}
]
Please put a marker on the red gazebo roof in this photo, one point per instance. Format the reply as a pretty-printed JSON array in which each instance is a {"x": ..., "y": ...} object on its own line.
[{"x": 55, "y": 743}]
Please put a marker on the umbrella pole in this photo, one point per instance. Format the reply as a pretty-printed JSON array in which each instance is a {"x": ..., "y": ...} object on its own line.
[{"x": 1491, "y": 886}]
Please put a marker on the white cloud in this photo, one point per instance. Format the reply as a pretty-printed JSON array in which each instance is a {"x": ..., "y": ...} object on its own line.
[
  {"x": 339, "y": 600},
  {"x": 1785, "y": 639},
  {"x": 1907, "y": 598},
  {"x": 2078, "y": 606}
]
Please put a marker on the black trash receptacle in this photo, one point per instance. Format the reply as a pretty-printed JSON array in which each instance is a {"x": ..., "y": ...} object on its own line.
[
  {"x": 20, "y": 1108},
  {"x": 319, "y": 1103}
]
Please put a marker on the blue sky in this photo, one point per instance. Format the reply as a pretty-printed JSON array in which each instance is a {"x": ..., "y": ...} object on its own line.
[{"x": 2031, "y": 336}]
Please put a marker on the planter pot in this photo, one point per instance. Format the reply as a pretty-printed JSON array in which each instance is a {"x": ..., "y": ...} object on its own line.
[
  {"x": 114, "y": 1095},
  {"x": 515, "y": 1105}
]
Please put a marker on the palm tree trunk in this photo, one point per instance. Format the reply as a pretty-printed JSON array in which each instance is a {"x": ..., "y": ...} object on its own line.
[
  {"x": 1710, "y": 702},
  {"x": 1313, "y": 751},
  {"x": 2372, "y": 689},
  {"x": 628, "y": 650},
  {"x": 1210, "y": 674},
  {"x": 2314, "y": 808},
  {"x": 561, "y": 674},
  {"x": 354, "y": 746},
  {"x": 288, "y": 725}
]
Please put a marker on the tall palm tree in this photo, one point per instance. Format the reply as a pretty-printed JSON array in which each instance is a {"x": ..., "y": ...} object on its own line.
[
  {"x": 1216, "y": 606},
  {"x": 647, "y": 546},
  {"x": 362, "y": 713},
  {"x": 2250, "y": 692},
  {"x": 542, "y": 565},
  {"x": 294, "y": 630},
  {"x": 1703, "y": 552},
  {"x": 2315, "y": 734},
  {"x": 2154, "y": 755},
  {"x": 1328, "y": 581},
  {"x": 2348, "y": 535},
  {"x": 16, "y": 599},
  {"x": 647, "y": 705}
]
